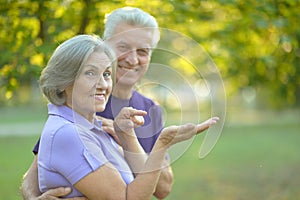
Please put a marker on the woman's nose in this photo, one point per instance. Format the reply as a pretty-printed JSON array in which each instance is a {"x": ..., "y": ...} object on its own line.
[{"x": 102, "y": 83}]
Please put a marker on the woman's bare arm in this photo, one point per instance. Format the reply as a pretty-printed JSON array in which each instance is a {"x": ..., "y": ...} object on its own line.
[{"x": 111, "y": 184}]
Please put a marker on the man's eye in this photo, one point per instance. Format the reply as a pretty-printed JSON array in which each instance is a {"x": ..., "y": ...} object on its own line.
[
  {"x": 143, "y": 52},
  {"x": 123, "y": 48}
]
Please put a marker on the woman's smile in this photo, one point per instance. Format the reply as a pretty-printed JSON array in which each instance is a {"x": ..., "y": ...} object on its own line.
[{"x": 101, "y": 96}]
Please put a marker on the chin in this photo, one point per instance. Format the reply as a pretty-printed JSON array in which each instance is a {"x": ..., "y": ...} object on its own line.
[
  {"x": 99, "y": 108},
  {"x": 127, "y": 81}
]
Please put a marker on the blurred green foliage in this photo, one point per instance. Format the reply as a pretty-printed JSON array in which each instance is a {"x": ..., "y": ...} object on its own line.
[{"x": 255, "y": 44}]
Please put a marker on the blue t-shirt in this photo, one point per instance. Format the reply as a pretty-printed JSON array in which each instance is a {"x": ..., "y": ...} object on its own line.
[
  {"x": 149, "y": 132},
  {"x": 71, "y": 147}
]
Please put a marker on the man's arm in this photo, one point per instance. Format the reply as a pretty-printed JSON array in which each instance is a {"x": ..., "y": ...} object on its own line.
[{"x": 30, "y": 188}]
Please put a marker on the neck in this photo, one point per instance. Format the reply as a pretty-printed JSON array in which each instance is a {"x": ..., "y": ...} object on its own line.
[
  {"x": 90, "y": 117},
  {"x": 122, "y": 92}
]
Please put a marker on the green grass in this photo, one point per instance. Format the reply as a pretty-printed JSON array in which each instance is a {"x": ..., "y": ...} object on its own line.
[
  {"x": 249, "y": 162},
  {"x": 16, "y": 158}
]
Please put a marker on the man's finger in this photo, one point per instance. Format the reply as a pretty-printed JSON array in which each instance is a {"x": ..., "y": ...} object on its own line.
[
  {"x": 58, "y": 192},
  {"x": 53, "y": 194},
  {"x": 110, "y": 130},
  {"x": 77, "y": 198}
]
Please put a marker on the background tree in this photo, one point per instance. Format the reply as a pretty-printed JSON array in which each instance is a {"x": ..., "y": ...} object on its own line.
[{"x": 254, "y": 44}]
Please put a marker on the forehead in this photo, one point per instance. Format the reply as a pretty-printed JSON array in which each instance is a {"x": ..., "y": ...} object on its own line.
[
  {"x": 98, "y": 59},
  {"x": 133, "y": 36}
]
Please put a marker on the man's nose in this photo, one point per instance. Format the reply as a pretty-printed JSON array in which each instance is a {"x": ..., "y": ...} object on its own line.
[{"x": 132, "y": 57}]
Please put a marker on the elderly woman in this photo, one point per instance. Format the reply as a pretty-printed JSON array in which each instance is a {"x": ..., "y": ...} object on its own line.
[{"x": 74, "y": 149}]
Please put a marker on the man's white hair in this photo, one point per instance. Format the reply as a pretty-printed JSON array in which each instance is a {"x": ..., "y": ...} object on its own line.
[{"x": 132, "y": 16}]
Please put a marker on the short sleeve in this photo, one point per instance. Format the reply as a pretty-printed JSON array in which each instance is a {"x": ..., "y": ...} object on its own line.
[
  {"x": 70, "y": 157},
  {"x": 156, "y": 119}
]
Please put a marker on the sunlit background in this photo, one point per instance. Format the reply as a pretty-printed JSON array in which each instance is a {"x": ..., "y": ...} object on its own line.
[{"x": 252, "y": 45}]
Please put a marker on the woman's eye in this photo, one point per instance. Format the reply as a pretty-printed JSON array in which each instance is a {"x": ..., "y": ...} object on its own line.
[
  {"x": 90, "y": 73},
  {"x": 106, "y": 74}
]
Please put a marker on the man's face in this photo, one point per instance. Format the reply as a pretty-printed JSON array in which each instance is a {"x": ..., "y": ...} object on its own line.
[{"x": 132, "y": 46}]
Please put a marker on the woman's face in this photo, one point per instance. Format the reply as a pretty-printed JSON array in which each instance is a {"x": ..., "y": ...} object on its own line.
[{"x": 92, "y": 87}]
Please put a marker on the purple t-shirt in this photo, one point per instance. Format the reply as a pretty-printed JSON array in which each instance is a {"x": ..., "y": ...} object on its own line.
[
  {"x": 149, "y": 132},
  {"x": 71, "y": 147}
]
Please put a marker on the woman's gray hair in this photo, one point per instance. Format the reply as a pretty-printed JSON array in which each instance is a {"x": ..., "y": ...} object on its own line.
[
  {"x": 132, "y": 16},
  {"x": 66, "y": 62}
]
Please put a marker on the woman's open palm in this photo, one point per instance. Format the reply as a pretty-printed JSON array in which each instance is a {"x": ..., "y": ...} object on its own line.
[{"x": 174, "y": 134}]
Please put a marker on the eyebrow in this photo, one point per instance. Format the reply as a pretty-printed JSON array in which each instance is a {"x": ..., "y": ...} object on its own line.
[
  {"x": 95, "y": 67},
  {"x": 122, "y": 42},
  {"x": 127, "y": 44},
  {"x": 109, "y": 67}
]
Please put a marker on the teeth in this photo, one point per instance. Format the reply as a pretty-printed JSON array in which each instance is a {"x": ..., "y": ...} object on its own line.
[
  {"x": 99, "y": 96},
  {"x": 128, "y": 69}
]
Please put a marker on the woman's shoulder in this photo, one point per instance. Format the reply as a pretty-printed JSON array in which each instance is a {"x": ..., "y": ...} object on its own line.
[
  {"x": 56, "y": 125},
  {"x": 58, "y": 138}
]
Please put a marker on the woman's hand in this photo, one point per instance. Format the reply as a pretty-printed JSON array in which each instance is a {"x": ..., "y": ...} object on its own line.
[
  {"x": 137, "y": 120},
  {"x": 174, "y": 134},
  {"x": 108, "y": 125},
  {"x": 127, "y": 119}
]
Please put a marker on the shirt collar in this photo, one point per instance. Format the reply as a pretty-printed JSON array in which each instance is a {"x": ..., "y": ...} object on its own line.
[{"x": 74, "y": 117}]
